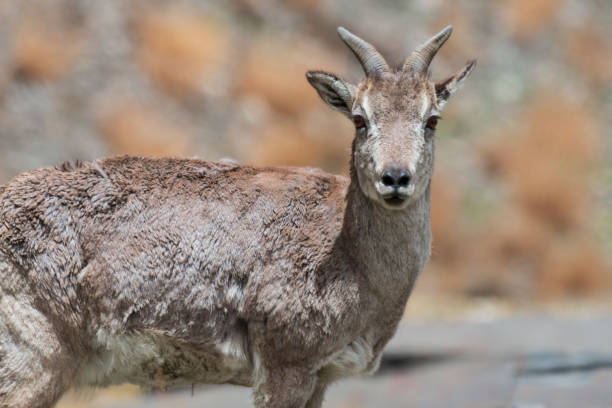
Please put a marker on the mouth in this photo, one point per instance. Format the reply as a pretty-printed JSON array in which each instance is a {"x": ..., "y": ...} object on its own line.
[{"x": 394, "y": 199}]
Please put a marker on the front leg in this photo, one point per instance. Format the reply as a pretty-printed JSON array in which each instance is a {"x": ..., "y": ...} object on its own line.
[
  {"x": 330, "y": 374},
  {"x": 284, "y": 387},
  {"x": 316, "y": 399}
]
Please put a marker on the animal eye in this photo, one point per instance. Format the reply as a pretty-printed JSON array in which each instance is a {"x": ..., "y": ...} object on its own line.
[
  {"x": 432, "y": 122},
  {"x": 359, "y": 121}
]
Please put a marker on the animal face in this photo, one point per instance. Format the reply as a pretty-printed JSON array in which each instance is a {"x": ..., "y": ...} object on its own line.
[
  {"x": 394, "y": 118},
  {"x": 395, "y": 112}
]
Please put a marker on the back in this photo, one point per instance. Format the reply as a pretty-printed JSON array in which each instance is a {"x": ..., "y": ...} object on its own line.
[{"x": 123, "y": 236}]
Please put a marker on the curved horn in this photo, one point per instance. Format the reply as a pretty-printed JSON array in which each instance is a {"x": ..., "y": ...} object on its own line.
[
  {"x": 420, "y": 58},
  {"x": 372, "y": 62}
]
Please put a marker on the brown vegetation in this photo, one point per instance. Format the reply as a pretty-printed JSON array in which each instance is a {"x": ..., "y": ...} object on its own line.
[
  {"x": 546, "y": 158},
  {"x": 464, "y": 44},
  {"x": 541, "y": 242},
  {"x": 304, "y": 4},
  {"x": 291, "y": 142},
  {"x": 575, "y": 267},
  {"x": 539, "y": 239},
  {"x": 45, "y": 48},
  {"x": 299, "y": 130},
  {"x": 135, "y": 129},
  {"x": 590, "y": 52},
  {"x": 274, "y": 70},
  {"x": 527, "y": 17},
  {"x": 181, "y": 49}
]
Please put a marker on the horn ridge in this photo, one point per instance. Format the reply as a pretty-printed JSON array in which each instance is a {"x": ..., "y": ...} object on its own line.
[
  {"x": 372, "y": 62},
  {"x": 420, "y": 58}
]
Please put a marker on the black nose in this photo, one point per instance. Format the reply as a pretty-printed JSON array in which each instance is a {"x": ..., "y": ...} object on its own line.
[{"x": 395, "y": 177}]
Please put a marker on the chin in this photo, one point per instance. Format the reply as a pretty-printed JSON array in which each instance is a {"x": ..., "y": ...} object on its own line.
[{"x": 394, "y": 203}]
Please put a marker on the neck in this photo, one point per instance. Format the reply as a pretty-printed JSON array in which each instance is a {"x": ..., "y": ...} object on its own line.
[{"x": 390, "y": 247}]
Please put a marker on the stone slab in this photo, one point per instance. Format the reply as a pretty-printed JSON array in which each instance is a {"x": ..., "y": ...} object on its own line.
[{"x": 534, "y": 361}]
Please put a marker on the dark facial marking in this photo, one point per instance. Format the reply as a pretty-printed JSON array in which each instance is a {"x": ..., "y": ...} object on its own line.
[
  {"x": 359, "y": 122},
  {"x": 432, "y": 122}
]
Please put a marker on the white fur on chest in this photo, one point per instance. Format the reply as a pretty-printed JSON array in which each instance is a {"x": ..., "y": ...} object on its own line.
[
  {"x": 357, "y": 358},
  {"x": 117, "y": 357},
  {"x": 145, "y": 358},
  {"x": 233, "y": 350}
]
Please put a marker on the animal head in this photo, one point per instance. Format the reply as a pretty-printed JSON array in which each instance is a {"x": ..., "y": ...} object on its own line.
[{"x": 395, "y": 112}]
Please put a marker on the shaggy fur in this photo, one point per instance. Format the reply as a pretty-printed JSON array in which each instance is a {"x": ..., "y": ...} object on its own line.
[{"x": 164, "y": 272}]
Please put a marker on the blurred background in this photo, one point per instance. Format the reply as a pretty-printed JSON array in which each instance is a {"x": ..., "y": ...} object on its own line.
[{"x": 522, "y": 193}]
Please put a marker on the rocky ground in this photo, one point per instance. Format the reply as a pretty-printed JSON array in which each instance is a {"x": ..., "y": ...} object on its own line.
[{"x": 538, "y": 359}]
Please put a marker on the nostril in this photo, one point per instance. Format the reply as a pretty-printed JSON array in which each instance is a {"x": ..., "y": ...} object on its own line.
[
  {"x": 404, "y": 180},
  {"x": 388, "y": 180},
  {"x": 395, "y": 177}
]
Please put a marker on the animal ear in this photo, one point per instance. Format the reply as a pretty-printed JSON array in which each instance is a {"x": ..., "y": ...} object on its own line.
[
  {"x": 447, "y": 87},
  {"x": 336, "y": 92}
]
